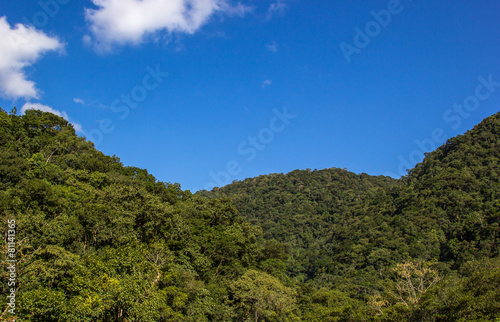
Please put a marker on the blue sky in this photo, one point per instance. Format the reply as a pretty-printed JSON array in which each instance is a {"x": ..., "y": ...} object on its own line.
[{"x": 204, "y": 92}]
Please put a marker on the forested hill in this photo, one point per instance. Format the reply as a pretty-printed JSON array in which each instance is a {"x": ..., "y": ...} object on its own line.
[
  {"x": 99, "y": 241},
  {"x": 302, "y": 208},
  {"x": 343, "y": 231},
  {"x": 445, "y": 209}
]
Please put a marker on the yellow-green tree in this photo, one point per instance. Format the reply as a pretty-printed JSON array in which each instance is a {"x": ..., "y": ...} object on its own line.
[
  {"x": 415, "y": 278},
  {"x": 262, "y": 297}
]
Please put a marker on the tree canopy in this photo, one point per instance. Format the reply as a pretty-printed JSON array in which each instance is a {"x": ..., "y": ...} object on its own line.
[{"x": 100, "y": 241}]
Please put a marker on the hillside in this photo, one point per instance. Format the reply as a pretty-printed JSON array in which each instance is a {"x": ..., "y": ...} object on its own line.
[
  {"x": 451, "y": 197},
  {"x": 302, "y": 208},
  {"x": 338, "y": 226},
  {"x": 98, "y": 241}
]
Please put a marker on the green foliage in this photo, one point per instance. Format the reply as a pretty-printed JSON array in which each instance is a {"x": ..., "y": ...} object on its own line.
[
  {"x": 473, "y": 294},
  {"x": 351, "y": 233},
  {"x": 260, "y": 296},
  {"x": 98, "y": 241}
]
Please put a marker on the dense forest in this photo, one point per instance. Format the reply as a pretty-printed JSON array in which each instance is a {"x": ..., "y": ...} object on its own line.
[{"x": 99, "y": 241}]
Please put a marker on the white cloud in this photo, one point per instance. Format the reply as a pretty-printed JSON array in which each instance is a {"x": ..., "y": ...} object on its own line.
[
  {"x": 78, "y": 128},
  {"x": 78, "y": 101},
  {"x": 94, "y": 103},
  {"x": 273, "y": 47},
  {"x": 21, "y": 47},
  {"x": 121, "y": 22},
  {"x": 266, "y": 83},
  {"x": 274, "y": 9},
  {"x": 44, "y": 108}
]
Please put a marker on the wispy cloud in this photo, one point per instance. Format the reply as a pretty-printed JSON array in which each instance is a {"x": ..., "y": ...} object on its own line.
[
  {"x": 266, "y": 83},
  {"x": 124, "y": 22},
  {"x": 94, "y": 103},
  {"x": 78, "y": 101},
  {"x": 78, "y": 128},
  {"x": 44, "y": 108},
  {"x": 276, "y": 9},
  {"x": 273, "y": 47},
  {"x": 21, "y": 47}
]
